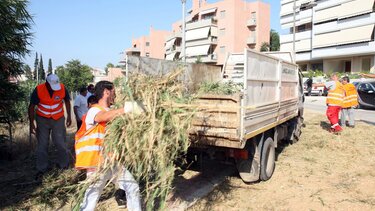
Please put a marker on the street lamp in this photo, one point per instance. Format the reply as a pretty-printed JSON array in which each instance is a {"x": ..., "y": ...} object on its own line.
[
  {"x": 310, "y": 5},
  {"x": 183, "y": 30}
]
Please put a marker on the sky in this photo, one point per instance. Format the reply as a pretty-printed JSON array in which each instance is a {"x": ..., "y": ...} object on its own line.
[{"x": 97, "y": 32}]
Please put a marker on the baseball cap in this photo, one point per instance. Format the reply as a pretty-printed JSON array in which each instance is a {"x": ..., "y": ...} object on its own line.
[{"x": 54, "y": 82}]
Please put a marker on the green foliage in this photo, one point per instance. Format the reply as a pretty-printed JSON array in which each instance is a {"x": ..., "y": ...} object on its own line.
[
  {"x": 15, "y": 38},
  {"x": 41, "y": 71},
  {"x": 109, "y": 65},
  {"x": 21, "y": 107},
  {"x": 315, "y": 73},
  {"x": 199, "y": 60},
  {"x": 264, "y": 47},
  {"x": 274, "y": 41},
  {"x": 36, "y": 65},
  {"x": 74, "y": 75},
  {"x": 227, "y": 88},
  {"x": 49, "y": 66}
]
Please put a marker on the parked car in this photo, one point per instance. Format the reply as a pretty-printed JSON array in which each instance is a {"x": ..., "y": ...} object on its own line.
[
  {"x": 319, "y": 91},
  {"x": 366, "y": 93}
]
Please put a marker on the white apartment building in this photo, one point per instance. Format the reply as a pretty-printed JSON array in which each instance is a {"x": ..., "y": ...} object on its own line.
[{"x": 330, "y": 35}]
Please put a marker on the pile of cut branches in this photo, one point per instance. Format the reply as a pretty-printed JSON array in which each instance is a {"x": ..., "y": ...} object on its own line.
[{"x": 147, "y": 144}]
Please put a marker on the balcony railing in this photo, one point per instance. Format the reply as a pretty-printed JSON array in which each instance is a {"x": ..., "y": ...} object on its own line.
[
  {"x": 251, "y": 40},
  {"x": 252, "y": 22},
  {"x": 201, "y": 23}
]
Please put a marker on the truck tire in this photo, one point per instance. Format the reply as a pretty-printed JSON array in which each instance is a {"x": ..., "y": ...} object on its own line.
[
  {"x": 248, "y": 170},
  {"x": 295, "y": 130},
  {"x": 267, "y": 164}
]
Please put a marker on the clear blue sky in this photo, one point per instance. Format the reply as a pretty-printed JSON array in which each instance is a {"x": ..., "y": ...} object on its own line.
[{"x": 97, "y": 31}]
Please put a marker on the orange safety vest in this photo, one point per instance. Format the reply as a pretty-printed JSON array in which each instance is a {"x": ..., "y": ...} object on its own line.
[
  {"x": 351, "y": 96},
  {"x": 50, "y": 107},
  {"x": 336, "y": 96},
  {"x": 89, "y": 144}
]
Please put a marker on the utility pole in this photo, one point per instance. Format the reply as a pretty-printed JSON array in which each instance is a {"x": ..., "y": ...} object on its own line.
[
  {"x": 294, "y": 31},
  {"x": 183, "y": 30}
]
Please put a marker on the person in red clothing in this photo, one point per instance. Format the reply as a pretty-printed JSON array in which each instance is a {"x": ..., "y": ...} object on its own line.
[
  {"x": 47, "y": 106},
  {"x": 334, "y": 101}
]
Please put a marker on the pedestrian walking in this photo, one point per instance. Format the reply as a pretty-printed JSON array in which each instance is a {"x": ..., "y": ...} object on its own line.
[
  {"x": 47, "y": 107},
  {"x": 89, "y": 145}
]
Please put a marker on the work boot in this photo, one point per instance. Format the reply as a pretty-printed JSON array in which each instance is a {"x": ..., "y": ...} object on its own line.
[{"x": 120, "y": 197}]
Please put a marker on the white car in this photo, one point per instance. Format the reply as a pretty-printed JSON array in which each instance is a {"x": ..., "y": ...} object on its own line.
[{"x": 319, "y": 91}]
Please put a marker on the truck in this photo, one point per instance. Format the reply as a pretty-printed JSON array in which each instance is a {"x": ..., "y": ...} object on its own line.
[
  {"x": 245, "y": 127},
  {"x": 248, "y": 126}
]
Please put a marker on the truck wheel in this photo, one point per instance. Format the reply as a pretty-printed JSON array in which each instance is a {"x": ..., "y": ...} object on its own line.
[
  {"x": 267, "y": 165},
  {"x": 320, "y": 93},
  {"x": 295, "y": 130},
  {"x": 248, "y": 170}
]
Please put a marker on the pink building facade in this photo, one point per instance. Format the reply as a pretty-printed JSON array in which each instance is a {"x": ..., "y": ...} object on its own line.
[
  {"x": 212, "y": 32},
  {"x": 149, "y": 46}
]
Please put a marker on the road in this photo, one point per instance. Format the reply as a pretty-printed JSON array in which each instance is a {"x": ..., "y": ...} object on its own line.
[{"x": 316, "y": 103}]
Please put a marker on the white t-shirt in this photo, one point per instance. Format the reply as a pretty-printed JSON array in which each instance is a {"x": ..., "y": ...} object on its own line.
[
  {"x": 90, "y": 117},
  {"x": 81, "y": 103}
]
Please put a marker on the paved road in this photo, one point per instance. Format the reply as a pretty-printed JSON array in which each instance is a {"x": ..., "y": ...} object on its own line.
[{"x": 318, "y": 104}]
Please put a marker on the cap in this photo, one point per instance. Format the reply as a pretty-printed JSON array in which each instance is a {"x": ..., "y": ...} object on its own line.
[{"x": 54, "y": 82}]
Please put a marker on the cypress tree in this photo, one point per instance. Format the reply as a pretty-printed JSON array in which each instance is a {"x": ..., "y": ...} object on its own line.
[
  {"x": 49, "y": 66},
  {"x": 36, "y": 64},
  {"x": 42, "y": 73}
]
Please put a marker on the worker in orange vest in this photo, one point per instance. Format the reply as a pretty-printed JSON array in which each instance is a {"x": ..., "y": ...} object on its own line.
[
  {"x": 334, "y": 101},
  {"x": 89, "y": 145},
  {"x": 350, "y": 102},
  {"x": 47, "y": 101}
]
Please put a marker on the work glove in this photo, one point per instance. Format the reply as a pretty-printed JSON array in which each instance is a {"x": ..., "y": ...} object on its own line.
[{"x": 133, "y": 107}]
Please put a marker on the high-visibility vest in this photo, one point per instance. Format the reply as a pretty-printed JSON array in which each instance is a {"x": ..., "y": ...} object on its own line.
[
  {"x": 50, "y": 107},
  {"x": 89, "y": 144},
  {"x": 336, "y": 96},
  {"x": 351, "y": 96}
]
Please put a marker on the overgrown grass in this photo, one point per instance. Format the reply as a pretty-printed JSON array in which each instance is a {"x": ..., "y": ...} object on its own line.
[{"x": 226, "y": 88}]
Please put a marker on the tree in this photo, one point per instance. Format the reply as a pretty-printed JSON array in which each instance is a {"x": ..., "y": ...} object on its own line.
[
  {"x": 264, "y": 47},
  {"x": 109, "y": 65},
  {"x": 49, "y": 66},
  {"x": 36, "y": 65},
  {"x": 15, "y": 38},
  {"x": 28, "y": 73},
  {"x": 274, "y": 41},
  {"x": 74, "y": 75},
  {"x": 41, "y": 71}
]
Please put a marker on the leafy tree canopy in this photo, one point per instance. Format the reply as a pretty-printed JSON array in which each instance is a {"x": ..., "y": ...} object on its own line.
[{"x": 74, "y": 75}]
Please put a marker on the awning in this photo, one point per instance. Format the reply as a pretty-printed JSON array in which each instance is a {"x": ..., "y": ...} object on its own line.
[
  {"x": 169, "y": 43},
  {"x": 208, "y": 11},
  {"x": 357, "y": 34},
  {"x": 197, "y": 50},
  {"x": 357, "y": 7},
  {"x": 214, "y": 31},
  {"x": 196, "y": 34},
  {"x": 170, "y": 56}
]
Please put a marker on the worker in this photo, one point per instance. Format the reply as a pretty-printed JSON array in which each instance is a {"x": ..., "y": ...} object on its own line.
[
  {"x": 88, "y": 147},
  {"x": 90, "y": 90},
  {"x": 350, "y": 102},
  {"x": 48, "y": 99},
  {"x": 369, "y": 75},
  {"x": 80, "y": 106},
  {"x": 334, "y": 101}
]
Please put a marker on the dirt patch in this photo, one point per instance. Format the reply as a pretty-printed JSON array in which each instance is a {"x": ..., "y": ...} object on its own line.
[{"x": 321, "y": 172}]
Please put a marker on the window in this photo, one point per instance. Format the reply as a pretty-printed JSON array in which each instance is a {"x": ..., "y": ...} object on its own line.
[
  {"x": 222, "y": 14},
  {"x": 147, "y": 43},
  {"x": 135, "y": 45},
  {"x": 253, "y": 15},
  {"x": 222, "y": 32},
  {"x": 147, "y": 54},
  {"x": 366, "y": 64},
  {"x": 222, "y": 49}
]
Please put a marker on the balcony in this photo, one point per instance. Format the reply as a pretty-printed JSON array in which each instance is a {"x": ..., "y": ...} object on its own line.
[
  {"x": 251, "y": 40},
  {"x": 133, "y": 51},
  {"x": 210, "y": 58},
  {"x": 174, "y": 35},
  {"x": 251, "y": 22},
  {"x": 201, "y": 23},
  {"x": 208, "y": 41}
]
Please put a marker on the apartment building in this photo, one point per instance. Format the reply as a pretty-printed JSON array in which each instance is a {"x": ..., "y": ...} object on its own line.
[
  {"x": 330, "y": 35},
  {"x": 149, "y": 46},
  {"x": 215, "y": 29}
]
